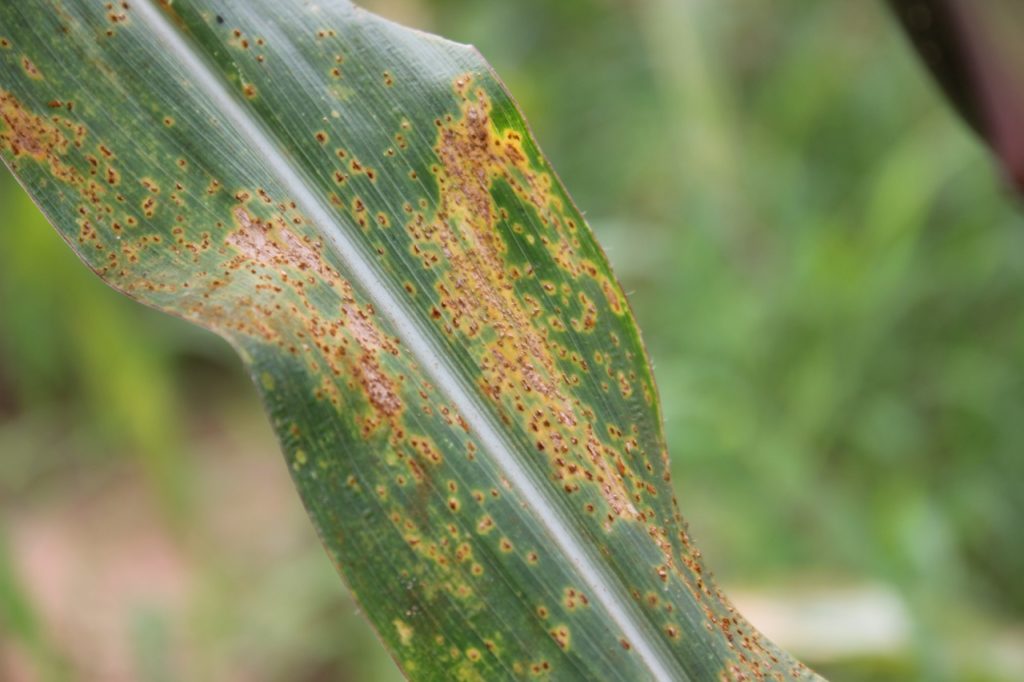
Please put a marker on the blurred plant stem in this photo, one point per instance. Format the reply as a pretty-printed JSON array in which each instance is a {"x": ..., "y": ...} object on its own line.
[{"x": 702, "y": 133}]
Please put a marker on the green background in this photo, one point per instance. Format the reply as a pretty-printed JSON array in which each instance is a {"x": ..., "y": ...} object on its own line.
[{"x": 828, "y": 273}]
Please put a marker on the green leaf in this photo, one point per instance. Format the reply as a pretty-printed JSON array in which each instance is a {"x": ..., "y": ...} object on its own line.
[{"x": 454, "y": 373}]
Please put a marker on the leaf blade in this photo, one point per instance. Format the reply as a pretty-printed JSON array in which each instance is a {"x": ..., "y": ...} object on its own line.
[{"x": 438, "y": 338}]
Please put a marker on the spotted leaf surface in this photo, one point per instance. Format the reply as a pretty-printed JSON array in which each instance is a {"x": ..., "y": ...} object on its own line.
[{"x": 455, "y": 376}]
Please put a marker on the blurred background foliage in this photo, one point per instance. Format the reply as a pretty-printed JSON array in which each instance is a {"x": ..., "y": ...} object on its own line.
[{"x": 829, "y": 275}]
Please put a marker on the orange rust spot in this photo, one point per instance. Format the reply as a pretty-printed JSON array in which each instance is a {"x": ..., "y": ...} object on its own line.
[
  {"x": 379, "y": 388},
  {"x": 23, "y": 132},
  {"x": 538, "y": 669},
  {"x": 30, "y": 69},
  {"x": 573, "y": 599},
  {"x": 485, "y": 525},
  {"x": 561, "y": 636}
]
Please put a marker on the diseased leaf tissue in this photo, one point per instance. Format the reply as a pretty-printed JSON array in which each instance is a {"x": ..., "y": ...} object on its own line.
[{"x": 453, "y": 372}]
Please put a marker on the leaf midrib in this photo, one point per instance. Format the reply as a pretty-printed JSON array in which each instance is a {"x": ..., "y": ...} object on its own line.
[{"x": 421, "y": 343}]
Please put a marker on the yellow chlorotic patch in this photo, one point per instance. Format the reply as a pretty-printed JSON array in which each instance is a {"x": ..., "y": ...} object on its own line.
[{"x": 404, "y": 631}]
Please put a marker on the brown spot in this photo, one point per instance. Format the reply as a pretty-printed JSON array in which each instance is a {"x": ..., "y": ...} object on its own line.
[
  {"x": 280, "y": 246},
  {"x": 27, "y": 133},
  {"x": 379, "y": 389},
  {"x": 31, "y": 70},
  {"x": 561, "y": 636}
]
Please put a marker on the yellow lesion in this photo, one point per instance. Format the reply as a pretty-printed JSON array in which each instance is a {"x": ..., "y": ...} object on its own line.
[
  {"x": 562, "y": 636},
  {"x": 478, "y": 298},
  {"x": 404, "y": 630},
  {"x": 24, "y": 133}
]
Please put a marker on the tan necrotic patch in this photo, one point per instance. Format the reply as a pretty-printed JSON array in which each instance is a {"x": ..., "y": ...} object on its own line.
[
  {"x": 26, "y": 133},
  {"x": 350, "y": 341}
]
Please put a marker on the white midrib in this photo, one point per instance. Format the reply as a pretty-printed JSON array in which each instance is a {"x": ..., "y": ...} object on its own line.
[{"x": 420, "y": 342}]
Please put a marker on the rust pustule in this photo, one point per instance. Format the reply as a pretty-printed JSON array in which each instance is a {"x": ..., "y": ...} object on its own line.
[
  {"x": 379, "y": 388},
  {"x": 25, "y": 133}
]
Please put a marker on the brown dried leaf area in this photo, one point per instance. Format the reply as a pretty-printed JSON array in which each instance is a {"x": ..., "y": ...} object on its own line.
[{"x": 342, "y": 342}]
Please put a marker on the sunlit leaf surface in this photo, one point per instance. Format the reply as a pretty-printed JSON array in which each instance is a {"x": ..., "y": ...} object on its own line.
[{"x": 452, "y": 369}]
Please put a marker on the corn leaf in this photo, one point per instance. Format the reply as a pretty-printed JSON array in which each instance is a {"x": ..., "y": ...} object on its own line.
[{"x": 455, "y": 376}]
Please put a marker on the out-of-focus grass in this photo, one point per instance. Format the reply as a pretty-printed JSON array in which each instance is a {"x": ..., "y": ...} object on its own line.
[{"x": 828, "y": 274}]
